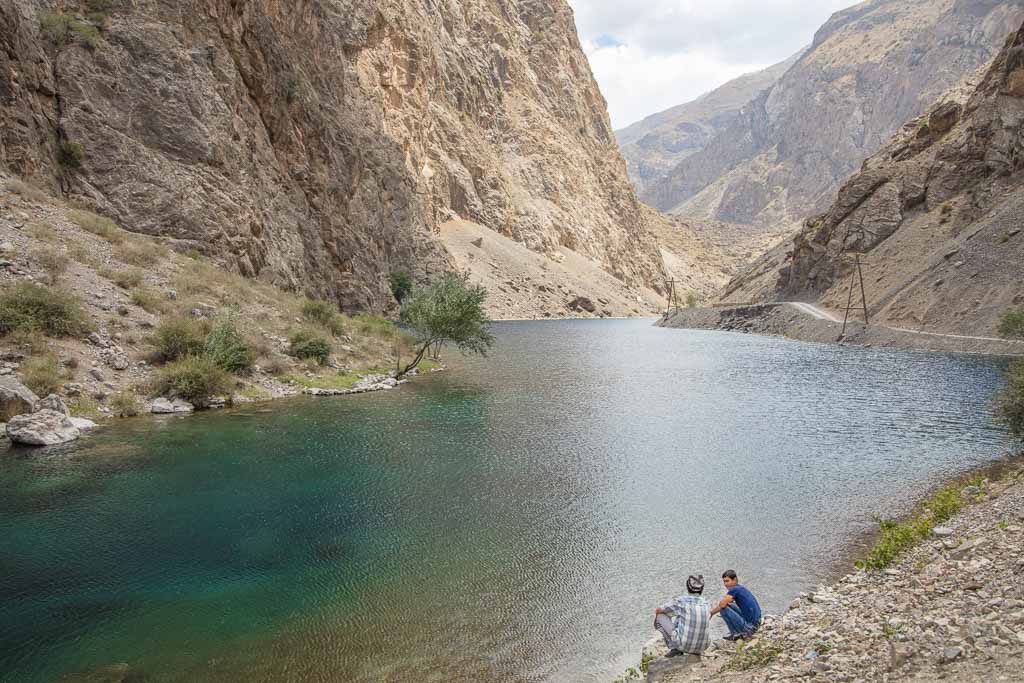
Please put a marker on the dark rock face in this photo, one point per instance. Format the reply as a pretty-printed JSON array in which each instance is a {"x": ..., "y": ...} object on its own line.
[
  {"x": 318, "y": 145},
  {"x": 871, "y": 68}
]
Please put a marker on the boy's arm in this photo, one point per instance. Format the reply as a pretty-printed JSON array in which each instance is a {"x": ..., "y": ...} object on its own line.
[{"x": 723, "y": 603}]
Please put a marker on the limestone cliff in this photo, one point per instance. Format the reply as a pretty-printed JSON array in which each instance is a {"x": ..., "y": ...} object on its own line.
[
  {"x": 870, "y": 69},
  {"x": 937, "y": 214},
  {"x": 319, "y": 144},
  {"x": 654, "y": 146}
]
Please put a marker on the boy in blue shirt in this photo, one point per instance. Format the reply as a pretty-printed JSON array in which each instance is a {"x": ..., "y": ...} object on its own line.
[{"x": 739, "y": 609}]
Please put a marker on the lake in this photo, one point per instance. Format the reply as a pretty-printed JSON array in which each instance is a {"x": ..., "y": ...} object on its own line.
[{"x": 516, "y": 518}]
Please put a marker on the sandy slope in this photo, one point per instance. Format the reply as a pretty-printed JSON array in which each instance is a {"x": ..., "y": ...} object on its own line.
[{"x": 527, "y": 284}]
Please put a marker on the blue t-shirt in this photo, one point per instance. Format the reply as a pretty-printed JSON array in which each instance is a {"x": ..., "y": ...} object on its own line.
[{"x": 747, "y": 604}]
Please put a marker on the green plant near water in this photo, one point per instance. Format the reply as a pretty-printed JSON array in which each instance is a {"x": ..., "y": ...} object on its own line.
[
  {"x": 43, "y": 375},
  {"x": 1011, "y": 325},
  {"x": 125, "y": 404},
  {"x": 1010, "y": 402},
  {"x": 897, "y": 537},
  {"x": 27, "y": 306},
  {"x": 177, "y": 337},
  {"x": 226, "y": 346},
  {"x": 194, "y": 379},
  {"x": 308, "y": 345}
]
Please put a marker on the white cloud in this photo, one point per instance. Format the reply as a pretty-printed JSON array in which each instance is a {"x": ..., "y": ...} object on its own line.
[{"x": 649, "y": 55}]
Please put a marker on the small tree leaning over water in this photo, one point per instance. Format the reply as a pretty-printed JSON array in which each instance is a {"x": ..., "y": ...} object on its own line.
[
  {"x": 1010, "y": 404},
  {"x": 448, "y": 310}
]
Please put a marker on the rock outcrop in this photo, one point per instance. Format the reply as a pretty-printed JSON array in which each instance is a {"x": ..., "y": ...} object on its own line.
[
  {"x": 936, "y": 213},
  {"x": 43, "y": 428},
  {"x": 15, "y": 399},
  {"x": 870, "y": 69},
  {"x": 318, "y": 145},
  {"x": 654, "y": 146}
]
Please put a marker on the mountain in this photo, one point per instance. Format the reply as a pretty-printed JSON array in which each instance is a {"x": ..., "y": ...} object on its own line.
[
  {"x": 656, "y": 145},
  {"x": 320, "y": 145},
  {"x": 937, "y": 214},
  {"x": 870, "y": 68}
]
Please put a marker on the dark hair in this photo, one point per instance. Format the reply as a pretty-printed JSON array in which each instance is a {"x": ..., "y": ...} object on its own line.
[
  {"x": 730, "y": 574},
  {"x": 695, "y": 584}
]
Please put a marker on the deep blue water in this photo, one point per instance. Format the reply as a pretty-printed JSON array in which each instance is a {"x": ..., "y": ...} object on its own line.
[{"x": 514, "y": 519}]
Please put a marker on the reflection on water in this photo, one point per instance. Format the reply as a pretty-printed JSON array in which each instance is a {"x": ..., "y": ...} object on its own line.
[{"x": 514, "y": 519}]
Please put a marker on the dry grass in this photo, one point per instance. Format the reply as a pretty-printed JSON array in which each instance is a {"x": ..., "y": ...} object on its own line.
[
  {"x": 128, "y": 278},
  {"x": 98, "y": 225},
  {"x": 20, "y": 187},
  {"x": 149, "y": 300},
  {"x": 140, "y": 253},
  {"x": 52, "y": 260}
]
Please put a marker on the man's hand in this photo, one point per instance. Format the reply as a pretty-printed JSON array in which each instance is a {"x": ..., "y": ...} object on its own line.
[
  {"x": 723, "y": 603},
  {"x": 658, "y": 610}
]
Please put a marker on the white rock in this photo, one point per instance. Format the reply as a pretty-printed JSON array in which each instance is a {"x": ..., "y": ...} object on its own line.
[
  {"x": 163, "y": 406},
  {"x": 942, "y": 532},
  {"x": 82, "y": 424},
  {"x": 55, "y": 403},
  {"x": 44, "y": 428}
]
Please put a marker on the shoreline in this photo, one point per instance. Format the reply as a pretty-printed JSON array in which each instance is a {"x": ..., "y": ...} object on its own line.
[
  {"x": 782, "y": 649},
  {"x": 777, "y": 320}
]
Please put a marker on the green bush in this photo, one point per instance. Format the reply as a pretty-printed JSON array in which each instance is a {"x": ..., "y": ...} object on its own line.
[
  {"x": 226, "y": 346},
  {"x": 401, "y": 285},
  {"x": 61, "y": 29},
  {"x": 319, "y": 312},
  {"x": 194, "y": 379},
  {"x": 125, "y": 404},
  {"x": 308, "y": 345},
  {"x": 27, "y": 306},
  {"x": 1012, "y": 324},
  {"x": 374, "y": 326},
  {"x": 43, "y": 375},
  {"x": 1010, "y": 404},
  {"x": 178, "y": 337},
  {"x": 897, "y": 537},
  {"x": 70, "y": 154}
]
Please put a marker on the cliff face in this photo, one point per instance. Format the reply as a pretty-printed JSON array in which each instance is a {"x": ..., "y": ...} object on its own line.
[
  {"x": 870, "y": 69},
  {"x": 937, "y": 214},
  {"x": 656, "y": 145},
  {"x": 319, "y": 144}
]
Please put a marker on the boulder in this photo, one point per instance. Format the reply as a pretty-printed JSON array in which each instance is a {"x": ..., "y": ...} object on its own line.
[
  {"x": 82, "y": 424},
  {"x": 15, "y": 398},
  {"x": 163, "y": 406},
  {"x": 43, "y": 428},
  {"x": 55, "y": 403},
  {"x": 582, "y": 303}
]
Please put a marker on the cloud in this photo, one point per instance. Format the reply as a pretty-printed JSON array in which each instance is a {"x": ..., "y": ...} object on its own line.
[{"x": 649, "y": 55}]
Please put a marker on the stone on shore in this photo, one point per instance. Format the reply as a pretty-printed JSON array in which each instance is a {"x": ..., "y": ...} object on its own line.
[
  {"x": 15, "y": 398},
  {"x": 55, "y": 403},
  {"x": 43, "y": 428},
  {"x": 164, "y": 406}
]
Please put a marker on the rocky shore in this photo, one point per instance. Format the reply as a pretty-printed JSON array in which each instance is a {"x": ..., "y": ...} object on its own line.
[
  {"x": 951, "y": 608},
  {"x": 787, "y": 321}
]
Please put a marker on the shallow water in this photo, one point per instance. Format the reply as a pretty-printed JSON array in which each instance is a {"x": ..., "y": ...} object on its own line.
[{"x": 514, "y": 519}]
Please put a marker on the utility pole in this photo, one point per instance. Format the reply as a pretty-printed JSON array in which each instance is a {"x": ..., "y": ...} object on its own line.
[
  {"x": 856, "y": 276},
  {"x": 673, "y": 302}
]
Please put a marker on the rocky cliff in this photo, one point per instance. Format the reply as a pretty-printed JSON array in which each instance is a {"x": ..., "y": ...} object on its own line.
[
  {"x": 319, "y": 144},
  {"x": 937, "y": 215},
  {"x": 656, "y": 145},
  {"x": 870, "y": 69}
]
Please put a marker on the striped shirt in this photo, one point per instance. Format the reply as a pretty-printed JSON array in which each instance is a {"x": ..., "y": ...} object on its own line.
[{"x": 691, "y": 616}]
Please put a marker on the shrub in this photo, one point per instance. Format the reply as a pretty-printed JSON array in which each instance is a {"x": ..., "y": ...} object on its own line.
[
  {"x": 227, "y": 348},
  {"x": 125, "y": 404},
  {"x": 374, "y": 326},
  {"x": 43, "y": 375},
  {"x": 194, "y": 379},
  {"x": 319, "y": 312},
  {"x": 61, "y": 29},
  {"x": 70, "y": 154},
  {"x": 1010, "y": 404},
  {"x": 144, "y": 254},
  {"x": 53, "y": 261},
  {"x": 308, "y": 345},
  {"x": 275, "y": 367},
  {"x": 28, "y": 306},
  {"x": 1012, "y": 324},
  {"x": 25, "y": 190},
  {"x": 178, "y": 337},
  {"x": 401, "y": 285},
  {"x": 148, "y": 300},
  {"x": 84, "y": 255},
  {"x": 98, "y": 225},
  {"x": 897, "y": 537},
  {"x": 125, "y": 279}
]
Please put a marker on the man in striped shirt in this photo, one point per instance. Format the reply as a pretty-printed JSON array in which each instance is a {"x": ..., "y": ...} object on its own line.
[{"x": 683, "y": 622}]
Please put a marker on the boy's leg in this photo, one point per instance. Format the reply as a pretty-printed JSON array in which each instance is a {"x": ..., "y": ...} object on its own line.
[{"x": 733, "y": 618}]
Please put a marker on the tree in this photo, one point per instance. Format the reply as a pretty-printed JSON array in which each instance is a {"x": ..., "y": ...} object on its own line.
[
  {"x": 448, "y": 310},
  {"x": 401, "y": 284},
  {"x": 1010, "y": 405}
]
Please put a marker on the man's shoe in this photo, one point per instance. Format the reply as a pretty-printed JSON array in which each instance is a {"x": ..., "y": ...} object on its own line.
[{"x": 731, "y": 637}]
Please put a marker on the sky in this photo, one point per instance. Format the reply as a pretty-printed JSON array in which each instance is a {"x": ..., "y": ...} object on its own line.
[{"x": 649, "y": 55}]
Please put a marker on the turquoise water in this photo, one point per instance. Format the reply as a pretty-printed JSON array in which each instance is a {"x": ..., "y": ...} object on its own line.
[{"x": 514, "y": 519}]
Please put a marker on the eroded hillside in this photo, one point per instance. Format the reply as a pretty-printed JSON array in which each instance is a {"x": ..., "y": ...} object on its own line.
[
  {"x": 319, "y": 145},
  {"x": 870, "y": 69}
]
